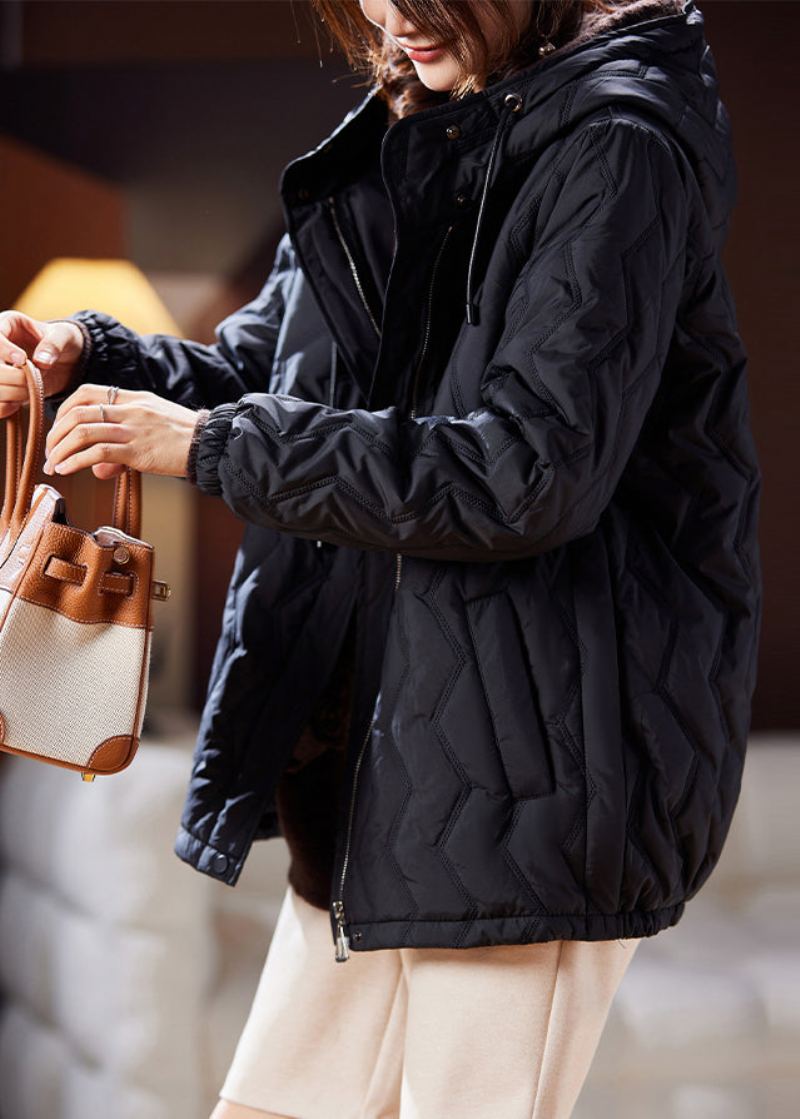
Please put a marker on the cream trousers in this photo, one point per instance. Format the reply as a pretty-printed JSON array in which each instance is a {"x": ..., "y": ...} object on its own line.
[{"x": 497, "y": 1032}]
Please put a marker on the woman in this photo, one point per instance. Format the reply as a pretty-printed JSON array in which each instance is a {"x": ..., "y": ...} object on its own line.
[{"x": 490, "y": 641}]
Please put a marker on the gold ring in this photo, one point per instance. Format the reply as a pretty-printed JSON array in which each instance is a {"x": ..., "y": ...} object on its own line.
[{"x": 112, "y": 393}]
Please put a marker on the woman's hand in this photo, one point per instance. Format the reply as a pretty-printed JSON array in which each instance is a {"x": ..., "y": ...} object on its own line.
[
  {"x": 141, "y": 430},
  {"x": 54, "y": 347}
]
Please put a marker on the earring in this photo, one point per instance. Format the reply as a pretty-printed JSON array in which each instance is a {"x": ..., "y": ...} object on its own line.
[{"x": 546, "y": 48}]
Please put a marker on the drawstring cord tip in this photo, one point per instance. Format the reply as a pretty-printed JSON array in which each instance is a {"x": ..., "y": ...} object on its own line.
[{"x": 473, "y": 317}]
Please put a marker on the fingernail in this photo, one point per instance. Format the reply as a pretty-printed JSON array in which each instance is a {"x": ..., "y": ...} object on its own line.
[
  {"x": 17, "y": 357},
  {"x": 47, "y": 468},
  {"x": 46, "y": 357}
]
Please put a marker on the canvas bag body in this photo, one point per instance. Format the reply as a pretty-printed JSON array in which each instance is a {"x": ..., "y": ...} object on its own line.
[{"x": 75, "y": 618}]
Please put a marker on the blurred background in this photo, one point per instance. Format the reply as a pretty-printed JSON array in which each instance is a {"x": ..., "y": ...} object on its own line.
[{"x": 141, "y": 145}]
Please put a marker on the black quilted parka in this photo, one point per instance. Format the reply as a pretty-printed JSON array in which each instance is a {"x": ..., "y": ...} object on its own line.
[{"x": 490, "y": 408}]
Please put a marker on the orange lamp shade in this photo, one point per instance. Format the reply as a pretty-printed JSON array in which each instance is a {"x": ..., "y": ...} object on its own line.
[{"x": 118, "y": 287}]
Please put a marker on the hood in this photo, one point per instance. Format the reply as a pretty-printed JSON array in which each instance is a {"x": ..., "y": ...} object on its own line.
[
  {"x": 647, "y": 59},
  {"x": 646, "y": 56}
]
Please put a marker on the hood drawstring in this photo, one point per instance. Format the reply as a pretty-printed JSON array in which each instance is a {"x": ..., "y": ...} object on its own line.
[{"x": 512, "y": 103}]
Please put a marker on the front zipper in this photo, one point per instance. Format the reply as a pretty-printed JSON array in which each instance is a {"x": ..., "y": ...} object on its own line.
[
  {"x": 342, "y": 939},
  {"x": 423, "y": 351}
]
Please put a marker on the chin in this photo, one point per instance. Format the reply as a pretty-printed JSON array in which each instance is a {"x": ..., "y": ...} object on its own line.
[{"x": 439, "y": 81}]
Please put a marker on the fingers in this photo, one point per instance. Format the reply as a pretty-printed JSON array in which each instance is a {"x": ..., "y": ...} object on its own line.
[
  {"x": 66, "y": 419},
  {"x": 13, "y": 390},
  {"x": 106, "y": 470},
  {"x": 99, "y": 444},
  {"x": 19, "y": 335},
  {"x": 13, "y": 385},
  {"x": 15, "y": 329},
  {"x": 79, "y": 430},
  {"x": 143, "y": 431},
  {"x": 89, "y": 393},
  {"x": 57, "y": 338},
  {"x": 78, "y": 436}
]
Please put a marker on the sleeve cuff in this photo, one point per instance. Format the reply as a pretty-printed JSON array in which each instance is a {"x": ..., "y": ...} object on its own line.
[
  {"x": 191, "y": 461},
  {"x": 88, "y": 346},
  {"x": 209, "y": 446},
  {"x": 53, "y": 401},
  {"x": 108, "y": 356}
]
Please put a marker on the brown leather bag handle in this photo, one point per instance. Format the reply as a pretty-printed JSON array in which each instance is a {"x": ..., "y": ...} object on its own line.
[
  {"x": 127, "y": 513},
  {"x": 21, "y": 469},
  {"x": 13, "y": 472}
]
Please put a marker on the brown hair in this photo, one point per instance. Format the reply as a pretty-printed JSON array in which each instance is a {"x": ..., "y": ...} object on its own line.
[{"x": 441, "y": 21}]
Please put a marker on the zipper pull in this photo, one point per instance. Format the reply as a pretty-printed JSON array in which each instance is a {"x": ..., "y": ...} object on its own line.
[{"x": 342, "y": 941}]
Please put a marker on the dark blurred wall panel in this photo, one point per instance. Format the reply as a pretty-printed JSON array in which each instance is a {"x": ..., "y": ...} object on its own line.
[
  {"x": 110, "y": 32},
  {"x": 199, "y": 148},
  {"x": 49, "y": 208},
  {"x": 755, "y": 46}
]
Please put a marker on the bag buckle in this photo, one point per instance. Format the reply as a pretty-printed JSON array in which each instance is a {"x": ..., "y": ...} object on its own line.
[{"x": 160, "y": 589}]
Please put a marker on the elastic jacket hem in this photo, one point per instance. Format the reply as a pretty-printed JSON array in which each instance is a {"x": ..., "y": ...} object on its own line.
[{"x": 526, "y": 928}]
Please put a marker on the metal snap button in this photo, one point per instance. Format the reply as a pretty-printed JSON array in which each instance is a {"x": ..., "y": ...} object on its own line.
[
  {"x": 514, "y": 101},
  {"x": 452, "y": 132},
  {"x": 357, "y": 936},
  {"x": 461, "y": 199},
  {"x": 121, "y": 554},
  {"x": 220, "y": 862}
]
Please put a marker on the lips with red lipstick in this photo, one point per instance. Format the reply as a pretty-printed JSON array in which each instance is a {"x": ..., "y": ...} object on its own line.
[{"x": 423, "y": 54}]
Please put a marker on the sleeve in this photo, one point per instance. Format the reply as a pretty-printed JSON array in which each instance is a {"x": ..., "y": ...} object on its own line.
[
  {"x": 190, "y": 373},
  {"x": 587, "y": 327}
]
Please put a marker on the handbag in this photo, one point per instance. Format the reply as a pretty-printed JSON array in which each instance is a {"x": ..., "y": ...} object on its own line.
[{"x": 75, "y": 614}]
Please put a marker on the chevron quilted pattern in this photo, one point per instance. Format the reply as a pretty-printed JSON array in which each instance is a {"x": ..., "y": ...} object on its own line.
[{"x": 532, "y": 485}]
